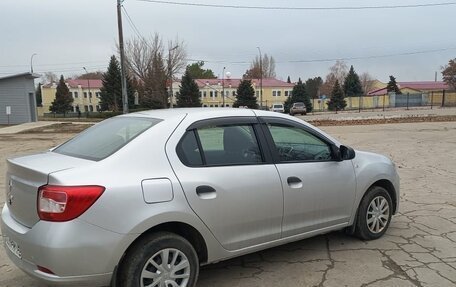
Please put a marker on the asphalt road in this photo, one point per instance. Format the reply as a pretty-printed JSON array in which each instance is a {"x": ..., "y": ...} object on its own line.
[{"x": 419, "y": 248}]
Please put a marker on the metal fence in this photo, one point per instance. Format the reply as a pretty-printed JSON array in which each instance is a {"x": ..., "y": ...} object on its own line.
[{"x": 444, "y": 98}]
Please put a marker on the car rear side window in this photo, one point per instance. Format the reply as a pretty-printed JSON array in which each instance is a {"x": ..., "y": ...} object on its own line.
[
  {"x": 220, "y": 145},
  {"x": 105, "y": 138}
]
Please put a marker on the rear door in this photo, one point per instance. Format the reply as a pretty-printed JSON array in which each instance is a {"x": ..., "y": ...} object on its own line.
[
  {"x": 318, "y": 191},
  {"x": 229, "y": 180}
]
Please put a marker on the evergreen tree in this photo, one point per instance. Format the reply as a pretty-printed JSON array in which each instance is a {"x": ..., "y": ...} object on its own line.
[
  {"x": 352, "y": 84},
  {"x": 155, "y": 90},
  {"x": 246, "y": 95},
  {"x": 63, "y": 100},
  {"x": 196, "y": 71},
  {"x": 188, "y": 95},
  {"x": 313, "y": 86},
  {"x": 111, "y": 91},
  {"x": 337, "y": 101},
  {"x": 38, "y": 96},
  {"x": 299, "y": 94},
  {"x": 392, "y": 86},
  {"x": 288, "y": 80}
]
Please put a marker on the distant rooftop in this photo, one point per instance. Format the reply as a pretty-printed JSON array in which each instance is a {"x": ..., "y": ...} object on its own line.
[
  {"x": 234, "y": 83},
  {"x": 95, "y": 83},
  {"x": 418, "y": 86}
]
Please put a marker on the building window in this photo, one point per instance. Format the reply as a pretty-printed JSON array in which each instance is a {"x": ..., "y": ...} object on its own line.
[
  {"x": 75, "y": 94},
  {"x": 91, "y": 108},
  {"x": 90, "y": 94},
  {"x": 287, "y": 93},
  {"x": 205, "y": 106},
  {"x": 85, "y": 95},
  {"x": 204, "y": 94},
  {"x": 279, "y": 93},
  {"x": 215, "y": 94},
  {"x": 233, "y": 93},
  {"x": 86, "y": 108},
  {"x": 97, "y": 94},
  {"x": 211, "y": 106},
  {"x": 227, "y": 105},
  {"x": 216, "y": 106},
  {"x": 211, "y": 94},
  {"x": 201, "y": 94},
  {"x": 71, "y": 94},
  {"x": 274, "y": 93}
]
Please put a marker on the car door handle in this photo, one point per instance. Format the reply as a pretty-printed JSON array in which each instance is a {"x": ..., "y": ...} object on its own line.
[
  {"x": 294, "y": 182},
  {"x": 206, "y": 192}
]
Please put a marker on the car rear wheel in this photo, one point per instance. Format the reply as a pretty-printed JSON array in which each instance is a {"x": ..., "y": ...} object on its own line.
[
  {"x": 374, "y": 214},
  {"x": 160, "y": 259}
]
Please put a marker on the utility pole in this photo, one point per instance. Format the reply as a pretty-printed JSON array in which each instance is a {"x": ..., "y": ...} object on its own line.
[
  {"x": 122, "y": 58},
  {"x": 170, "y": 75},
  {"x": 88, "y": 85},
  {"x": 223, "y": 86},
  {"x": 261, "y": 79}
]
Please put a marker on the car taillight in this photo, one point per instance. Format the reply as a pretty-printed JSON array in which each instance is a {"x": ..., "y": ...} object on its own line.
[{"x": 64, "y": 203}]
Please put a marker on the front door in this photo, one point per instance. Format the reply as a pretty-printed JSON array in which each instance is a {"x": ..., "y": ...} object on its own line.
[
  {"x": 318, "y": 191},
  {"x": 230, "y": 182}
]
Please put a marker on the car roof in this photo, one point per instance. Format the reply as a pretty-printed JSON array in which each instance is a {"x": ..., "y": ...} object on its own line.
[
  {"x": 194, "y": 112},
  {"x": 207, "y": 113}
]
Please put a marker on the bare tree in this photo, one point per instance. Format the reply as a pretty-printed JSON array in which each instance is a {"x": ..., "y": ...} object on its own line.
[
  {"x": 338, "y": 72},
  {"x": 141, "y": 52},
  {"x": 366, "y": 82},
  {"x": 268, "y": 65},
  {"x": 178, "y": 56},
  {"x": 49, "y": 77}
]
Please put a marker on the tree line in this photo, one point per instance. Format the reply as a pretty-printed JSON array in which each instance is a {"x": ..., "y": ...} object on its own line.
[{"x": 151, "y": 65}]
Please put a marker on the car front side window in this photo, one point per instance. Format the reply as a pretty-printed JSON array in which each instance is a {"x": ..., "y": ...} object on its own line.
[{"x": 294, "y": 144}]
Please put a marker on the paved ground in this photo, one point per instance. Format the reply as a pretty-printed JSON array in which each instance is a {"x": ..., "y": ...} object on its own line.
[{"x": 419, "y": 249}]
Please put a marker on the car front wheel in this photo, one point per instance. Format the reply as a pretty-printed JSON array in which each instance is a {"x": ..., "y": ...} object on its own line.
[
  {"x": 374, "y": 214},
  {"x": 160, "y": 259}
]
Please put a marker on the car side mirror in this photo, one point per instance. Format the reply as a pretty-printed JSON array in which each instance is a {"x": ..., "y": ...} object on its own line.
[
  {"x": 346, "y": 152},
  {"x": 335, "y": 152}
]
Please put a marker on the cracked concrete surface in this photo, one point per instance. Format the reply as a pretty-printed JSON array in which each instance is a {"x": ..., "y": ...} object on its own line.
[{"x": 419, "y": 249}]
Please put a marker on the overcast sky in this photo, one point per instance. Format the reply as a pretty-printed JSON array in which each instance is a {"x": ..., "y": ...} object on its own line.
[{"x": 67, "y": 35}]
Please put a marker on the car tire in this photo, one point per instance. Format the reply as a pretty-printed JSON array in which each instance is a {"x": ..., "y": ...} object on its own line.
[
  {"x": 143, "y": 262},
  {"x": 374, "y": 214}
]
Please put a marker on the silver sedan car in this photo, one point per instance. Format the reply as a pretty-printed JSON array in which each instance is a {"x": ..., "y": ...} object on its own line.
[{"x": 144, "y": 199}]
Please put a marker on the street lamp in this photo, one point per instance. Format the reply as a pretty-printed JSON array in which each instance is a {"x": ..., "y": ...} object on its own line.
[
  {"x": 31, "y": 62},
  {"x": 170, "y": 74},
  {"x": 223, "y": 86},
  {"x": 88, "y": 85},
  {"x": 261, "y": 78}
]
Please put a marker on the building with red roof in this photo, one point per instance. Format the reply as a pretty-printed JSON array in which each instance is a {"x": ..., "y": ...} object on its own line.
[
  {"x": 275, "y": 91},
  {"x": 85, "y": 93}
]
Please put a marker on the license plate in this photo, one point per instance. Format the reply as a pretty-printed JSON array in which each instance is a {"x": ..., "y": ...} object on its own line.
[{"x": 13, "y": 247}]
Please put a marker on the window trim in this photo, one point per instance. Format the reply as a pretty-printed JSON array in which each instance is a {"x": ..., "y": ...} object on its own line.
[
  {"x": 263, "y": 146},
  {"x": 264, "y": 121}
]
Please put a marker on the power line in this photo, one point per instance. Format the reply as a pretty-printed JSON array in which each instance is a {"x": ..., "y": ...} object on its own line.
[
  {"x": 132, "y": 24},
  {"x": 298, "y": 8},
  {"x": 370, "y": 57},
  {"x": 57, "y": 64}
]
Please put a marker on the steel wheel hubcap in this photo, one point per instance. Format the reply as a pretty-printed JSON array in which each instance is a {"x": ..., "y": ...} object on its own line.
[
  {"x": 167, "y": 268},
  {"x": 377, "y": 216}
]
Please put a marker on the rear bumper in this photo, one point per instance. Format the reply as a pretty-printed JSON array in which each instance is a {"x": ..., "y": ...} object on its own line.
[{"x": 76, "y": 252}]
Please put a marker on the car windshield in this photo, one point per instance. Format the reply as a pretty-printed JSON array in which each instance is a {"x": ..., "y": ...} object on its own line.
[{"x": 105, "y": 138}]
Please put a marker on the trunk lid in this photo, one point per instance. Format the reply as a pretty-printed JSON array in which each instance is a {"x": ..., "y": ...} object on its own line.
[{"x": 24, "y": 175}]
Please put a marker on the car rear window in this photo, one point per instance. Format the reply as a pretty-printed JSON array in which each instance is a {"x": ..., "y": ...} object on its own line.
[
  {"x": 105, "y": 138},
  {"x": 298, "y": 104},
  {"x": 278, "y": 106}
]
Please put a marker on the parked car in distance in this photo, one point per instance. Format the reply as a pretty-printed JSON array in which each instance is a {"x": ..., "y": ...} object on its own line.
[
  {"x": 144, "y": 199},
  {"x": 298, "y": 108},
  {"x": 278, "y": 108}
]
